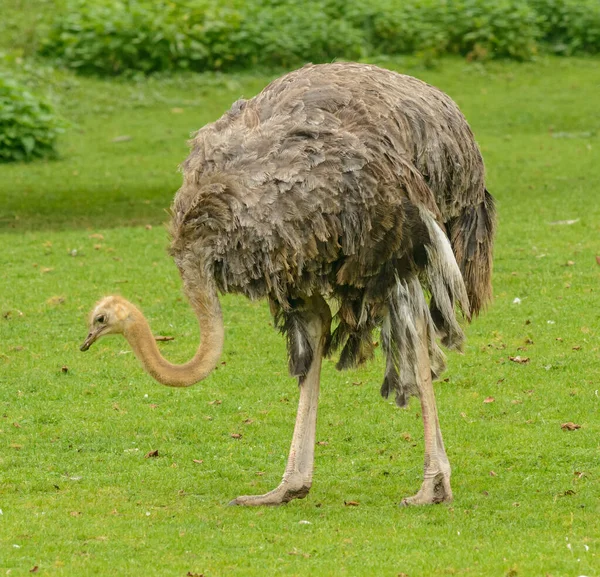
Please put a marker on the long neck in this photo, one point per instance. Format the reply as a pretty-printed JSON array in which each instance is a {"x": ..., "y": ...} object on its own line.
[{"x": 210, "y": 319}]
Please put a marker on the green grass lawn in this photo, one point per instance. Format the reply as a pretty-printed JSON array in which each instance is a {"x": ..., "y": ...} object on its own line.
[{"x": 78, "y": 496}]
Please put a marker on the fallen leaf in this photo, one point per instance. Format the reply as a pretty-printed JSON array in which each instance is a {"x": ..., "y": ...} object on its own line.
[
  {"x": 97, "y": 236},
  {"x": 236, "y": 436},
  {"x": 351, "y": 503},
  {"x": 489, "y": 400},
  {"x": 577, "y": 348},
  {"x": 151, "y": 454},
  {"x": 15, "y": 446},
  {"x": 564, "y": 222},
  {"x": 34, "y": 569},
  {"x": 402, "y": 574},
  {"x": 260, "y": 473},
  {"x": 123, "y": 138},
  {"x": 598, "y": 259},
  {"x": 153, "y": 405},
  {"x": 75, "y": 513},
  {"x": 64, "y": 369},
  {"x": 528, "y": 341},
  {"x": 519, "y": 359},
  {"x": 190, "y": 574},
  {"x": 559, "y": 339},
  {"x": 162, "y": 338},
  {"x": 492, "y": 474},
  {"x": 148, "y": 227},
  {"x": 215, "y": 402},
  {"x": 199, "y": 461},
  {"x": 570, "y": 426},
  {"x": 569, "y": 263},
  {"x": 56, "y": 300},
  {"x": 46, "y": 269},
  {"x": 248, "y": 421},
  {"x": 323, "y": 443},
  {"x": 16, "y": 425}
]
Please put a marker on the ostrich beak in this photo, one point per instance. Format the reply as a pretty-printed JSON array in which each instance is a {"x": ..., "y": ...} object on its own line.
[{"x": 90, "y": 340}]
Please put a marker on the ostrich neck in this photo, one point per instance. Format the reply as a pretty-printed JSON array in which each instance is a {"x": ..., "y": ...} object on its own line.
[{"x": 142, "y": 342}]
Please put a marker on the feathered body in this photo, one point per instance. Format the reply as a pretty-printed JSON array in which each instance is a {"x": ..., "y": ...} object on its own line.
[{"x": 343, "y": 180}]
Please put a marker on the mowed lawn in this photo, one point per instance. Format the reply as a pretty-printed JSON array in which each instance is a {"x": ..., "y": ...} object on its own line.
[{"x": 78, "y": 495}]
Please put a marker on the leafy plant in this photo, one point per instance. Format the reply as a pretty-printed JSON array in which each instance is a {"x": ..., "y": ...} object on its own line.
[
  {"x": 569, "y": 26},
  {"x": 28, "y": 125},
  {"x": 127, "y": 36}
]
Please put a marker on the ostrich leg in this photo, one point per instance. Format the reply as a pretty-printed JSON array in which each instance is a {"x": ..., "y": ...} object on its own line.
[
  {"x": 436, "y": 483},
  {"x": 297, "y": 478}
]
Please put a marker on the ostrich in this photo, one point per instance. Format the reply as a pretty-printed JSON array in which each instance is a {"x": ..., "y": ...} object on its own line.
[{"x": 339, "y": 184}]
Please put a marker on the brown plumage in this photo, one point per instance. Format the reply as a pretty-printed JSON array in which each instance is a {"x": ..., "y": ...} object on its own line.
[{"x": 342, "y": 182}]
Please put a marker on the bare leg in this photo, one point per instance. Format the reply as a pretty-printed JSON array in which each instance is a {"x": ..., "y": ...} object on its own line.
[
  {"x": 436, "y": 483},
  {"x": 297, "y": 478}
]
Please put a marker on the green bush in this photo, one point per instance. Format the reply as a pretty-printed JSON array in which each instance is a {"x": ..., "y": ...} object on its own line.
[
  {"x": 569, "y": 26},
  {"x": 115, "y": 37},
  {"x": 107, "y": 37},
  {"x": 28, "y": 126}
]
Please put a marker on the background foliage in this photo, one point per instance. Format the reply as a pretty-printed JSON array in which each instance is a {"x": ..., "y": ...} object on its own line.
[
  {"x": 29, "y": 126},
  {"x": 108, "y": 37}
]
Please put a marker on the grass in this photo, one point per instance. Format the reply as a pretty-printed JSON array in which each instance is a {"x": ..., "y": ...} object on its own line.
[{"x": 76, "y": 493}]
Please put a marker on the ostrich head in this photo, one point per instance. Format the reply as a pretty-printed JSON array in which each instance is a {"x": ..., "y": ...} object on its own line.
[{"x": 112, "y": 315}]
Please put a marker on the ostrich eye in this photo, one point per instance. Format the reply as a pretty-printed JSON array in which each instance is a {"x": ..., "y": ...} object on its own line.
[{"x": 100, "y": 319}]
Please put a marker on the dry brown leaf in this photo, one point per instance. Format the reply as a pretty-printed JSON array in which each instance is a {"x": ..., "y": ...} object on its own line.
[
  {"x": 15, "y": 446},
  {"x": 570, "y": 426},
  {"x": 190, "y": 574},
  {"x": 577, "y": 348},
  {"x": 162, "y": 338},
  {"x": 56, "y": 300},
  {"x": 75, "y": 513},
  {"x": 97, "y": 236},
  {"x": 598, "y": 259},
  {"x": 44, "y": 270},
  {"x": 16, "y": 425},
  {"x": 323, "y": 443},
  {"x": 64, "y": 369},
  {"x": 236, "y": 436},
  {"x": 215, "y": 402},
  {"x": 199, "y": 461},
  {"x": 519, "y": 359},
  {"x": 148, "y": 227},
  {"x": 34, "y": 569},
  {"x": 489, "y": 400},
  {"x": 248, "y": 421},
  {"x": 351, "y": 503},
  {"x": 151, "y": 454},
  {"x": 492, "y": 474},
  {"x": 260, "y": 473}
]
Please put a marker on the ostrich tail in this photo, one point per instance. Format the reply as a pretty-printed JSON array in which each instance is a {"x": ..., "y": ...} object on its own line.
[
  {"x": 446, "y": 285},
  {"x": 472, "y": 238},
  {"x": 406, "y": 304}
]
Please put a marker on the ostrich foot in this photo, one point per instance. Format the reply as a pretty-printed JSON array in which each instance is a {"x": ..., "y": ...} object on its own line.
[
  {"x": 434, "y": 489},
  {"x": 287, "y": 491}
]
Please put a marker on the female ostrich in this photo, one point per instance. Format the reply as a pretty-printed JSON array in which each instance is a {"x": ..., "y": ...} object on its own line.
[{"x": 339, "y": 183}]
